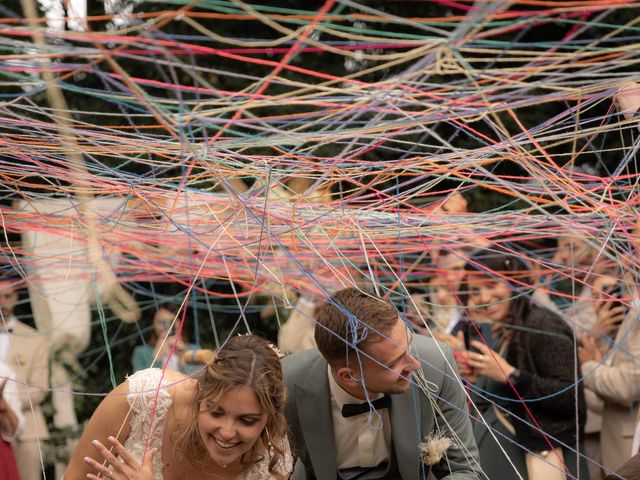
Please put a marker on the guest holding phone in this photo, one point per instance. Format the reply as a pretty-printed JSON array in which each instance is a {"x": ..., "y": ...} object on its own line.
[
  {"x": 532, "y": 363},
  {"x": 610, "y": 366},
  {"x": 158, "y": 348},
  {"x": 610, "y": 307}
]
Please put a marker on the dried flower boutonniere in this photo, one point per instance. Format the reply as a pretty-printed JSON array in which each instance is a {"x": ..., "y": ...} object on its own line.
[{"x": 434, "y": 447}]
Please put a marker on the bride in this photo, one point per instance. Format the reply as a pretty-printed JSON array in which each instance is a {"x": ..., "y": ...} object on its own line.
[{"x": 225, "y": 423}]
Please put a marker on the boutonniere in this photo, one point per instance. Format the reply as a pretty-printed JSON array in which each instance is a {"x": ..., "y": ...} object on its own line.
[{"x": 434, "y": 447}]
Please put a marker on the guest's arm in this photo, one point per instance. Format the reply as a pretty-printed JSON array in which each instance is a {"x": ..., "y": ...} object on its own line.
[
  {"x": 553, "y": 386},
  {"x": 38, "y": 380},
  {"x": 619, "y": 383},
  {"x": 628, "y": 100},
  {"x": 9, "y": 420}
]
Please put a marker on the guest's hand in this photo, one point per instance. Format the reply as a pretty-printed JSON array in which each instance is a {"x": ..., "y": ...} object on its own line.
[
  {"x": 489, "y": 363},
  {"x": 461, "y": 354},
  {"x": 455, "y": 203},
  {"x": 628, "y": 99},
  {"x": 163, "y": 350},
  {"x": 589, "y": 350},
  {"x": 450, "y": 340},
  {"x": 610, "y": 315},
  {"x": 8, "y": 419},
  {"x": 180, "y": 345},
  {"x": 124, "y": 467},
  {"x": 198, "y": 357}
]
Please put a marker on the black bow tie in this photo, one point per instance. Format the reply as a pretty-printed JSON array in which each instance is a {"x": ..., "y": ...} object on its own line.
[{"x": 353, "y": 409}]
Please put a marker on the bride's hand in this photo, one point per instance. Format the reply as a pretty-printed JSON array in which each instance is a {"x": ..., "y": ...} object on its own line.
[{"x": 124, "y": 467}]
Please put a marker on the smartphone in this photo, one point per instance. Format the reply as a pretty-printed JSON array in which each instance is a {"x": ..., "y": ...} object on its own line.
[
  {"x": 617, "y": 292},
  {"x": 485, "y": 336}
]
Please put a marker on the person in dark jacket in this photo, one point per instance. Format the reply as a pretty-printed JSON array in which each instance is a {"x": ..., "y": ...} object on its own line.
[{"x": 523, "y": 377}]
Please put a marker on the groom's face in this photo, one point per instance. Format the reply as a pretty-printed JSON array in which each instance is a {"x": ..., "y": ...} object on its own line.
[{"x": 390, "y": 369}]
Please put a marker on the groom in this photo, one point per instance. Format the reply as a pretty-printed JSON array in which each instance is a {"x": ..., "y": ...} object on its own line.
[{"x": 354, "y": 408}]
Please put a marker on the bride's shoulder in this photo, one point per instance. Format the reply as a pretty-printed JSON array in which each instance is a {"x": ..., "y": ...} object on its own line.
[
  {"x": 157, "y": 375},
  {"x": 183, "y": 389},
  {"x": 168, "y": 383},
  {"x": 260, "y": 469}
]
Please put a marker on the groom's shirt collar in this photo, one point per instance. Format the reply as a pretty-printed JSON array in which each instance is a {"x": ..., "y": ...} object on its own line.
[{"x": 362, "y": 440}]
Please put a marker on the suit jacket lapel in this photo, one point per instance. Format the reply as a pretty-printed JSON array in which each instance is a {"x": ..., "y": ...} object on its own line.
[
  {"x": 314, "y": 412},
  {"x": 405, "y": 421}
]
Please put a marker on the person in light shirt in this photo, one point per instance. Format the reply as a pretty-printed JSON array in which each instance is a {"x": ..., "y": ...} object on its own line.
[{"x": 26, "y": 353}]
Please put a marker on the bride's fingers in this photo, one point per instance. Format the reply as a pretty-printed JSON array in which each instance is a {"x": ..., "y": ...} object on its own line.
[
  {"x": 117, "y": 464},
  {"x": 148, "y": 460},
  {"x": 105, "y": 471},
  {"x": 123, "y": 452}
]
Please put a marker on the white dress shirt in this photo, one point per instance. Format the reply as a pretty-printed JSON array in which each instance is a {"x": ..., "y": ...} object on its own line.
[
  {"x": 362, "y": 440},
  {"x": 5, "y": 336}
]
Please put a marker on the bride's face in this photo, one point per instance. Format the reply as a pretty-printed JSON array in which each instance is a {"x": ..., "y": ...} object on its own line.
[{"x": 230, "y": 427}]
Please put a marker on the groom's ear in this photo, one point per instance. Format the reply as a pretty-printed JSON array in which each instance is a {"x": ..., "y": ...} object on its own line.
[{"x": 348, "y": 377}]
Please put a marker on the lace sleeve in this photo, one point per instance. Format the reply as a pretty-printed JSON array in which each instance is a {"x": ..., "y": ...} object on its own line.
[{"x": 143, "y": 390}]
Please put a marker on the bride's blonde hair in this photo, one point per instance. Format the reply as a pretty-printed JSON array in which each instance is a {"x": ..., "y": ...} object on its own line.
[{"x": 245, "y": 360}]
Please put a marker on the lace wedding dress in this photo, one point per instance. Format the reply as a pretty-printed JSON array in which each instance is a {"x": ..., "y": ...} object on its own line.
[{"x": 143, "y": 386}]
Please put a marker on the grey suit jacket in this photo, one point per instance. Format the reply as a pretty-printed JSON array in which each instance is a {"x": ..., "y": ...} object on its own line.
[{"x": 412, "y": 418}]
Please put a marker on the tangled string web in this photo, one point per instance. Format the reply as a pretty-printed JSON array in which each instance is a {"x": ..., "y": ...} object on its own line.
[{"x": 253, "y": 152}]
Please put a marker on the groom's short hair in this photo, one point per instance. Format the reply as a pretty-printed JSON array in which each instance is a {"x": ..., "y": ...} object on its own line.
[{"x": 350, "y": 320}]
